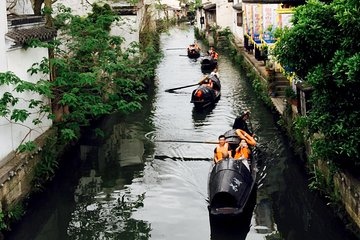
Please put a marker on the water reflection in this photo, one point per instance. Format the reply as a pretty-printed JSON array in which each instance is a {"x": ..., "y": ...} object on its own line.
[
  {"x": 200, "y": 115},
  {"x": 104, "y": 205},
  {"x": 108, "y": 218}
]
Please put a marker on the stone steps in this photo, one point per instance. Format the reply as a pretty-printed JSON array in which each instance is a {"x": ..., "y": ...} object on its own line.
[{"x": 280, "y": 84}]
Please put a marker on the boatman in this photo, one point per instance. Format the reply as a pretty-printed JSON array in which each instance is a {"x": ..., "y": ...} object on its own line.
[
  {"x": 207, "y": 82},
  {"x": 222, "y": 150},
  {"x": 241, "y": 122}
]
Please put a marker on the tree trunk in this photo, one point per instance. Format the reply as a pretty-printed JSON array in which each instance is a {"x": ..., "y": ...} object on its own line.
[
  {"x": 37, "y": 7},
  {"x": 48, "y": 18},
  {"x": 59, "y": 111}
]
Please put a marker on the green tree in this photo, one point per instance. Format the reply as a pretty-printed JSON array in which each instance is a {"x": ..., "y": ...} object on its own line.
[
  {"x": 323, "y": 48},
  {"x": 93, "y": 74}
]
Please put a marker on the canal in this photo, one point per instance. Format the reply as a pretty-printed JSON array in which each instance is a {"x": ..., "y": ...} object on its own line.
[{"x": 137, "y": 182}]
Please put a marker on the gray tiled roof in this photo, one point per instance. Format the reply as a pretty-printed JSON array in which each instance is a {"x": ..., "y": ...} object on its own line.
[{"x": 21, "y": 36}]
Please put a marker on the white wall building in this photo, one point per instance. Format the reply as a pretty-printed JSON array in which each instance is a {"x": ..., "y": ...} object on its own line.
[
  {"x": 238, "y": 21},
  {"x": 224, "y": 14},
  {"x": 13, "y": 57},
  {"x": 3, "y": 30},
  {"x": 130, "y": 19}
]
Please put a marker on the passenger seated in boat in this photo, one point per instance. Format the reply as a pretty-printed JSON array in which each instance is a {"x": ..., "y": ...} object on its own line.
[
  {"x": 242, "y": 151},
  {"x": 222, "y": 150},
  {"x": 213, "y": 53},
  {"x": 196, "y": 45}
]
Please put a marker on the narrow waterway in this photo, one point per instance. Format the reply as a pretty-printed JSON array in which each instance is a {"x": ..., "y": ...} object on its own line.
[{"x": 128, "y": 185}]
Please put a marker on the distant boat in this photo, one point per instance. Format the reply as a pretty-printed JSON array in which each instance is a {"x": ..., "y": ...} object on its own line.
[
  {"x": 208, "y": 64},
  {"x": 204, "y": 95},
  {"x": 193, "y": 52}
]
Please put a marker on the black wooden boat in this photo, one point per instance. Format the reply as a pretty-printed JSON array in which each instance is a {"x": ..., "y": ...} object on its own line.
[
  {"x": 208, "y": 64},
  {"x": 204, "y": 95},
  {"x": 232, "y": 195},
  {"x": 193, "y": 52}
]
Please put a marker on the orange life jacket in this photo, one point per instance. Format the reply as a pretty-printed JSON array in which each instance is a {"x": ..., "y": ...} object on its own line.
[
  {"x": 214, "y": 55},
  {"x": 242, "y": 152},
  {"x": 220, "y": 150}
]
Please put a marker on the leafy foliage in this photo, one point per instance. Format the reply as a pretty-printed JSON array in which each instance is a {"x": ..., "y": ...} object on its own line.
[
  {"x": 311, "y": 40},
  {"x": 45, "y": 169},
  {"x": 95, "y": 76},
  {"x": 11, "y": 215},
  {"x": 92, "y": 74},
  {"x": 323, "y": 48}
]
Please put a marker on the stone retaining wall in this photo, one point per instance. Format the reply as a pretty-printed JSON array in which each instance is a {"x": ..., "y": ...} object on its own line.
[
  {"x": 348, "y": 188},
  {"x": 16, "y": 175}
]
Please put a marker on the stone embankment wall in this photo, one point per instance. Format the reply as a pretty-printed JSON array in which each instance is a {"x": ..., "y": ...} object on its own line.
[
  {"x": 348, "y": 188},
  {"x": 17, "y": 174}
]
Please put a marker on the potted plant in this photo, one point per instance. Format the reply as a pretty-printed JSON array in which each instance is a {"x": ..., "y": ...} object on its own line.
[
  {"x": 272, "y": 89},
  {"x": 264, "y": 53},
  {"x": 290, "y": 96},
  {"x": 269, "y": 67}
]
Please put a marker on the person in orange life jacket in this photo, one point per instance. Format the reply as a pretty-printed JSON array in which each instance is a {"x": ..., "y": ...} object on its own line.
[
  {"x": 213, "y": 53},
  {"x": 222, "y": 150},
  {"x": 241, "y": 122},
  {"x": 242, "y": 151},
  {"x": 196, "y": 45}
]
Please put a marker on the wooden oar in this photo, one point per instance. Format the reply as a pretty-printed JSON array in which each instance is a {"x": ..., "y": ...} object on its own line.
[
  {"x": 175, "y": 48},
  {"x": 164, "y": 157},
  {"x": 186, "y": 141},
  {"x": 172, "y": 89},
  {"x": 191, "y": 85}
]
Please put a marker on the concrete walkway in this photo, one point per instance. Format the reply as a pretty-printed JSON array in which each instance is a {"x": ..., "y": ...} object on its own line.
[{"x": 259, "y": 68}]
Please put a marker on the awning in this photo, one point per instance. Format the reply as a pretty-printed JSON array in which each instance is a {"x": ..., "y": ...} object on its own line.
[
  {"x": 237, "y": 6},
  {"x": 208, "y": 7}
]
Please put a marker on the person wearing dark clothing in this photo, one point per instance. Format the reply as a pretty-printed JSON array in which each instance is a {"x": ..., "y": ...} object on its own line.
[{"x": 241, "y": 122}]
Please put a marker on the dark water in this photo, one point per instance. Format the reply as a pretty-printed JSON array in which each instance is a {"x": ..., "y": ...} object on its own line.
[{"x": 125, "y": 186}]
